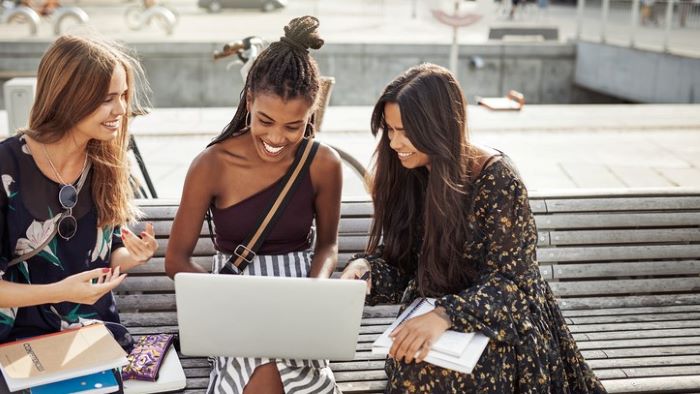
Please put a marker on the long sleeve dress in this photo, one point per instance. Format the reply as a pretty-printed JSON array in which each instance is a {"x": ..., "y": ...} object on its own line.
[{"x": 531, "y": 349}]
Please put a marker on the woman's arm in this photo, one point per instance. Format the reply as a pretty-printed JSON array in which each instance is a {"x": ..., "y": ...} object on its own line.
[
  {"x": 196, "y": 197},
  {"x": 386, "y": 282},
  {"x": 78, "y": 288},
  {"x": 327, "y": 173},
  {"x": 494, "y": 304}
]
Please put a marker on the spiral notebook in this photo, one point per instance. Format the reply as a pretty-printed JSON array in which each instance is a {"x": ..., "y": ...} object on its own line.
[{"x": 454, "y": 350}]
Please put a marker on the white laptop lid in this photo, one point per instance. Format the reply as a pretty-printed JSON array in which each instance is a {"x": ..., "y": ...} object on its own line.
[{"x": 263, "y": 316}]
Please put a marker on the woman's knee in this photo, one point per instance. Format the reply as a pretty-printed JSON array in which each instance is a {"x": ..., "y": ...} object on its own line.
[{"x": 266, "y": 379}]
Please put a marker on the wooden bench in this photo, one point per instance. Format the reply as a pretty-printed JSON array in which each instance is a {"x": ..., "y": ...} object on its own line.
[{"x": 625, "y": 268}]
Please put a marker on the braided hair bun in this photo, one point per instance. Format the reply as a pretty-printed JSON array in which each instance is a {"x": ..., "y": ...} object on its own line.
[{"x": 302, "y": 32}]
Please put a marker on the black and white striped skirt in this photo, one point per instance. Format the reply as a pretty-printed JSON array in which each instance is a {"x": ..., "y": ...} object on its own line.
[{"x": 229, "y": 375}]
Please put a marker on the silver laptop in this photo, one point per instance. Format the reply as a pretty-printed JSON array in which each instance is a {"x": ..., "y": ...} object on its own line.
[{"x": 263, "y": 316}]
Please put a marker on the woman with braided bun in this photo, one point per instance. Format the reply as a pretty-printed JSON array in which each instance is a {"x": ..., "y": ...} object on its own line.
[{"x": 238, "y": 175}]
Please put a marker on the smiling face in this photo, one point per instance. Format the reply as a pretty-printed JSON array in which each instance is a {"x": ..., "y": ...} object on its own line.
[
  {"x": 277, "y": 126},
  {"x": 409, "y": 156},
  {"x": 104, "y": 123}
]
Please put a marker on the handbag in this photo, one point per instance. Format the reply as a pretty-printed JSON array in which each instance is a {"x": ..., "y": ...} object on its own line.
[
  {"x": 246, "y": 251},
  {"x": 146, "y": 358}
]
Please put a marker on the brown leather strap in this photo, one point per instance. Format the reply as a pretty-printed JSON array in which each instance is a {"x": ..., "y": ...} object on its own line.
[{"x": 280, "y": 198}]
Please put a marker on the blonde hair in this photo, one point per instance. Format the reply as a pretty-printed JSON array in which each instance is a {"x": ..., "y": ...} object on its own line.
[{"x": 72, "y": 82}]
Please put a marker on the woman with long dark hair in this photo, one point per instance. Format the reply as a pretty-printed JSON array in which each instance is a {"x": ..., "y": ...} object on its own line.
[
  {"x": 452, "y": 221},
  {"x": 237, "y": 176},
  {"x": 66, "y": 194}
]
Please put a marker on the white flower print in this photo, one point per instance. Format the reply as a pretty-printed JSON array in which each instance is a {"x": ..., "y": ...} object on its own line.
[
  {"x": 7, "y": 180},
  {"x": 102, "y": 243},
  {"x": 37, "y": 233}
]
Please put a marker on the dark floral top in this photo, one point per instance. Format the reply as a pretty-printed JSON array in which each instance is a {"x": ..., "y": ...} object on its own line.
[
  {"x": 29, "y": 208},
  {"x": 531, "y": 349}
]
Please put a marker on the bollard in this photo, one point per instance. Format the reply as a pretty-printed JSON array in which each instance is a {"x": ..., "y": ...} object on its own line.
[
  {"x": 668, "y": 22},
  {"x": 27, "y": 13},
  {"x": 63, "y": 13},
  {"x": 604, "y": 20},
  {"x": 634, "y": 22},
  {"x": 579, "y": 17},
  {"x": 164, "y": 16}
]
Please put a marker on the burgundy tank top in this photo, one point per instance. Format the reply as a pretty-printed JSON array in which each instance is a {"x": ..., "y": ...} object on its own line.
[{"x": 291, "y": 233}]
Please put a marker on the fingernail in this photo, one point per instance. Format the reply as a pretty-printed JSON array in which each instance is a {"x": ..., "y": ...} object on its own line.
[
  {"x": 143, "y": 233},
  {"x": 105, "y": 270}
]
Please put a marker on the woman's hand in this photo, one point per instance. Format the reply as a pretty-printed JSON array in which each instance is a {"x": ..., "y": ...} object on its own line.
[
  {"x": 143, "y": 248},
  {"x": 89, "y": 286},
  {"x": 413, "y": 338},
  {"x": 358, "y": 269}
]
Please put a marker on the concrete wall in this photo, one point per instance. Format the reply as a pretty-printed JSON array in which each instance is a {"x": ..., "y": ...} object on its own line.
[
  {"x": 183, "y": 74},
  {"x": 638, "y": 75}
]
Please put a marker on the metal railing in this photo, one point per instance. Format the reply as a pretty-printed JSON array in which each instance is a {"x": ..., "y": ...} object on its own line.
[{"x": 655, "y": 24}]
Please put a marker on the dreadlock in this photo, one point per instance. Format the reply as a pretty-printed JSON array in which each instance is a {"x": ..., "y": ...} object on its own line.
[{"x": 285, "y": 69}]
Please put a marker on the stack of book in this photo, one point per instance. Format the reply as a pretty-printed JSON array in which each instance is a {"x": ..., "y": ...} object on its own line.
[
  {"x": 454, "y": 350},
  {"x": 73, "y": 361}
]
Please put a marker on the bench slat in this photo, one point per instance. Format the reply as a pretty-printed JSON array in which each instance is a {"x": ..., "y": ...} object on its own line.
[
  {"x": 627, "y": 343},
  {"x": 644, "y": 361},
  {"x": 632, "y": 310},
  {"x": 591, "y": 303},
  {"x": 624, "y": 286},
  {"x": 635, "y": 318},
  {"x": 617, "y": 220},
  {"x": 610, "y": 253},
  {"x": 660, "y": 325},
  {"x": 622, "y": 204},
  {"x": 602, "y": 270},
  {"x": 593, "y": 237},
  {"x": 637, "y": 334}
]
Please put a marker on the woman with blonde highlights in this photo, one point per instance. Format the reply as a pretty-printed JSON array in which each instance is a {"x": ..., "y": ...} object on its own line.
[{"x": 66, "y": 195}]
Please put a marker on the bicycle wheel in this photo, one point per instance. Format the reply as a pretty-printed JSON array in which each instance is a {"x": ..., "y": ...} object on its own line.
[{"x": 133, "y": 17}]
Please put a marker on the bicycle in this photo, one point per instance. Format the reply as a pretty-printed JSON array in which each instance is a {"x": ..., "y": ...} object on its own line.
[{"x": 247, "y": 49}]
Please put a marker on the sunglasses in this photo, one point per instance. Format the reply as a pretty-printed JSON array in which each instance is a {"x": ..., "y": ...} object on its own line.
[{"x": 68, "y": 225}]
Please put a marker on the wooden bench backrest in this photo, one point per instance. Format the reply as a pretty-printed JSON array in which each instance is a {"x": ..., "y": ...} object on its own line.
[{"x": 595, "y": 251}]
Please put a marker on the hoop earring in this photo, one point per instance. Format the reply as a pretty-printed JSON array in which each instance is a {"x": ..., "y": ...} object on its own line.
[{"x": 309, "y": 132}]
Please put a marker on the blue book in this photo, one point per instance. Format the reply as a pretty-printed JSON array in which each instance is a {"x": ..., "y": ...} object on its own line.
[{"x": 96, "y": 383}]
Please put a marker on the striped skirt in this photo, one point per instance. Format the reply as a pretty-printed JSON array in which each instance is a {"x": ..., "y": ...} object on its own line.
[{"x": 229, "y": 375}]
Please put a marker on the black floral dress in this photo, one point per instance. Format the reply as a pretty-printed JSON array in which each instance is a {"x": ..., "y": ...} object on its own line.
[
  {"x": 531, "y": 349},
  {"x": 28, "y": 211}
]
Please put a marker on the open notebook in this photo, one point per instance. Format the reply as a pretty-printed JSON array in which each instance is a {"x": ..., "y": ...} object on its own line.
[{"x": 454, "y": 350}]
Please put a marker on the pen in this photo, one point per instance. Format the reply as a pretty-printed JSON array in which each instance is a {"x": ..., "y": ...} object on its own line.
[{"x": 365, "y": 276}]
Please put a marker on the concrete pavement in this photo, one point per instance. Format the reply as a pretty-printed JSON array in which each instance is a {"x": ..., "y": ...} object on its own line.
[{"x": 554, "y": 147}]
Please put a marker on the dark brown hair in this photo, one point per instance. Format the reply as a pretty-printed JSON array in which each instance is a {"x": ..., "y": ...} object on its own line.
[
  {"x": 285, "y": 69},
  {"x": 72, "y": 82},
  {"x": 420, "y": 204}
]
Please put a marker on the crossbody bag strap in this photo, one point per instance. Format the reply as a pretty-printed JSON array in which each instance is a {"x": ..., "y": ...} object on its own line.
[
  {"x": 246, "y": 251},
  {"x": 48, "y": 239}
]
